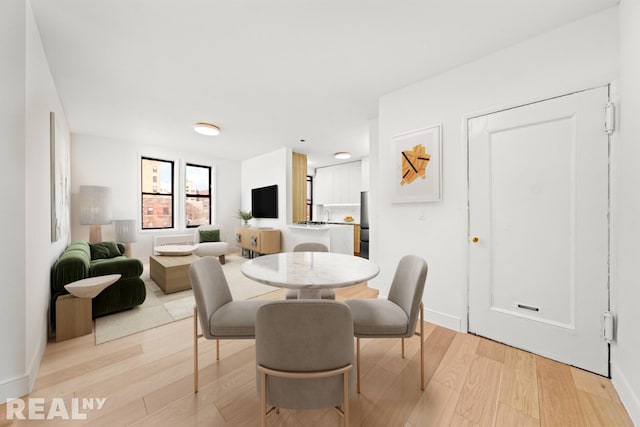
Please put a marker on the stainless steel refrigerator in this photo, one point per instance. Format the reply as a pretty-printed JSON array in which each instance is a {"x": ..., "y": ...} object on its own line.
[{"x": 364, "y": 224}]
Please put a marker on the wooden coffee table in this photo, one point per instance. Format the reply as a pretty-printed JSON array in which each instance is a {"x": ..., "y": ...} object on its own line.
[{"x": 171, "y": 273}]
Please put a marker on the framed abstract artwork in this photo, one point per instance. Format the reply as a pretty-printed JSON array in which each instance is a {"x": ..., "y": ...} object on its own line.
[
  {"x": 417, "y": 165},
  {"x": 60, "y": 185}
]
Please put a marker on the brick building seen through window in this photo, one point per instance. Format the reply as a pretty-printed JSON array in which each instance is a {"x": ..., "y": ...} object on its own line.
[
  {"x": 157, "y": 200},
  {"x": 197, "y": 195},
  {"x": 158, "y": 192}
]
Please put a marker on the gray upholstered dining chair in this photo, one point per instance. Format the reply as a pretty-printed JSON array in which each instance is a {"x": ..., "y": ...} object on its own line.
[
  {"x": 220, "y": 316},
  {"x": 311, "y": 247},
  {"x": 395, "y": 317},
  {"x": 304, "y": 356}
]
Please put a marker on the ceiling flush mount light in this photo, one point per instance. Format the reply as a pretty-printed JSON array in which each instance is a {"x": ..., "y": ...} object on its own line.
[
  {"x": 206, "y": 129},
  {"x": 342, "y": 155}
]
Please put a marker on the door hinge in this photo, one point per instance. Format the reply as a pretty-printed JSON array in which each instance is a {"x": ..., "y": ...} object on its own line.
[
  {"x": 607, "y": 328},
  {"x": 610, "y": 118}
]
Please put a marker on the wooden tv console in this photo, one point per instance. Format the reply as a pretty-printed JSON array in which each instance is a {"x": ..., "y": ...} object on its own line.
[{"x": 258, "y": 240}]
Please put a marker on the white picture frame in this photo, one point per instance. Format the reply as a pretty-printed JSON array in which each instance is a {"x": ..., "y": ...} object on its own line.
[{"x": 417, "y": 165}]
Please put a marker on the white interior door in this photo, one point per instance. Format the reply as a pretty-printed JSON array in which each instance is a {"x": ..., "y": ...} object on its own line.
[{"x": 538, "y": 215}]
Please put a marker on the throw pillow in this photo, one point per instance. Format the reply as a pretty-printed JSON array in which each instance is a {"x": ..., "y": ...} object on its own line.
[
  {"x": 209, "y": 236},
  {"x": 104, "y": 250}
]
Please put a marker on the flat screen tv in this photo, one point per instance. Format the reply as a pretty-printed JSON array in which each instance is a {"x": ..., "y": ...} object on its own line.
[{"x": 264, "y": 202}]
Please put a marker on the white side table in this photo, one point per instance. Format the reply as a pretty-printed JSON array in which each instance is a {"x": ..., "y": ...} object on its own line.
[{"x": 74, "y": 315}]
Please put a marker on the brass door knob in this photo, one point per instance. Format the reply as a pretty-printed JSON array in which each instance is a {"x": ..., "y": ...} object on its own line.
[{"x": 475, "y": 239}]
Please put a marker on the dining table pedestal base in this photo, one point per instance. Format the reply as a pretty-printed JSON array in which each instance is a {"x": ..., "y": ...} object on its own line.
[{"x": 305, "y": 293}]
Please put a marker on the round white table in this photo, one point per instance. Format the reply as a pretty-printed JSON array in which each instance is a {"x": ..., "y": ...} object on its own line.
[{"x": 310, "y": 272}]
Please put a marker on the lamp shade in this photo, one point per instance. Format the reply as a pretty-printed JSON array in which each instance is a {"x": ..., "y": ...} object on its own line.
[
  {"x": 95, "y": 205},
  {"x": 125, "y": 230}
]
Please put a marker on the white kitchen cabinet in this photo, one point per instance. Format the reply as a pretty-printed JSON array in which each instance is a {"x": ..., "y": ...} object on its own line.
[
  {"x": 353, "y": 193},
  {"x": 338, "y": 185},
  {"x": 323, "y": 186}
]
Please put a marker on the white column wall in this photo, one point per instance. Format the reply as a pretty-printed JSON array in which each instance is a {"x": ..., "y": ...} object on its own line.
[
  {"x": 12, "y": 164},
  {"x": 41, "y": 99},
  {"x": 28, "y": 95},
  {"x": 625, "y": 351},
  {"x": 273, "y": 168},
  {"x": 578, "y": 56}
]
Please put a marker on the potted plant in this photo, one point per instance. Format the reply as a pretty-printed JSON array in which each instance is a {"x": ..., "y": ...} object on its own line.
[{"x": 245, "y": 217}]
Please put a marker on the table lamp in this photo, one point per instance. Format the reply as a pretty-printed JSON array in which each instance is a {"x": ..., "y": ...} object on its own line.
[
  {"x": 95, "y": 209},
  {"x": 126, "y": 233}
]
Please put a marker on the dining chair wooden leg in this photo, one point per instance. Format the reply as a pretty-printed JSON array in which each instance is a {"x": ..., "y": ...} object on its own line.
[
  {"x": 263, "y": 399},
  {"x": 402, "y": 339},
  {"x": 422, "y": 347},
  {"x": 217, "y": 349},
  {"x": 345, "y": 399},
  {"x": 358, "y": 363},
  {"x": 195, "y": 349}
]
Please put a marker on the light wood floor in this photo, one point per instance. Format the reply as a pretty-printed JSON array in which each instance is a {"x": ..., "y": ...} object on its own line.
[{"x": 147, "y": 380}]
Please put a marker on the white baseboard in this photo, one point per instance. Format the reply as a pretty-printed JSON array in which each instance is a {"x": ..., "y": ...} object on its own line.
[
  {"x": 21, "y": 386},
  {"x": 443, "y": 319},
  {"x": 34, "y": 363},
  {"x": 628, "y": 396},
  {"x": 440, "y": 319},
  {"x": 14, "y": 388}
]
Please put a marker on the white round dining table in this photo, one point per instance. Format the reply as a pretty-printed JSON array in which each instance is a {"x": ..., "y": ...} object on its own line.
[{"x": 310, "y": 272}]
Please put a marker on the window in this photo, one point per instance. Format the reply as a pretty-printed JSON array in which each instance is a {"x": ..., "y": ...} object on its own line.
[
  {"x": 309, "y": 198},
  {"x": 197, "y": 195},
  {"x": 157, "y": 200}
]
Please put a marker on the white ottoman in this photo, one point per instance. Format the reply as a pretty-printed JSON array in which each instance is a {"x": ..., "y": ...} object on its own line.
[{"x": 219, "y": 249}]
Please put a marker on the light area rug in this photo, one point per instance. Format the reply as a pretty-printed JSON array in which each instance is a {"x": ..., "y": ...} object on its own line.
[{"x": 159, "y": 309}]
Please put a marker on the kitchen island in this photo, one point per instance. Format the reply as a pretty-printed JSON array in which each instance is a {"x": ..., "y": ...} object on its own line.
[{"x": 337, "y": 237}]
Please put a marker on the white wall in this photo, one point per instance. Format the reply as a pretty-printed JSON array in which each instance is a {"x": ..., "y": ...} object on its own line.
[
  {"x": 272, "y": 168},
  {"x": 41, "y": 99},
  {"x": 575, "y": 57},
  {"x": 626, "y": 214},
  {"x": 28, "y": 95},
  {"x": 12, "y": 164},
  {"x": 366, "y": 161},
  {"x": 116, "y": 164}
]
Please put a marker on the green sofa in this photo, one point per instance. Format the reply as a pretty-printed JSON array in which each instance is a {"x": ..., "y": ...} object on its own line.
[{"x": 77, "y": 262}]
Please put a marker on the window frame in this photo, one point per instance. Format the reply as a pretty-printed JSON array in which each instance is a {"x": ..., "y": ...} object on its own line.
[
  {"x": 143, "y": 193},
  {"x": 309, "y": 200},
  {"x": 186, "y": 195}
]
